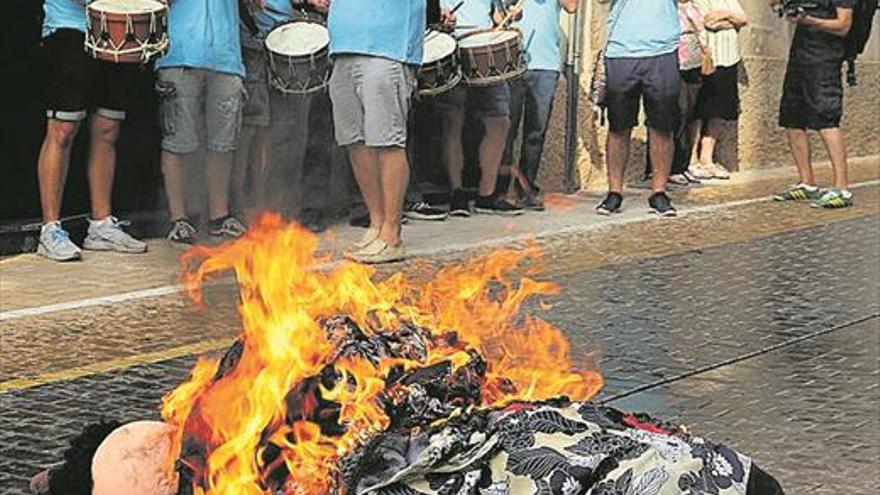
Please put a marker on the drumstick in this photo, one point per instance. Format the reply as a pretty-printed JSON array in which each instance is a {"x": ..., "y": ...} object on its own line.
[
  {"x": 509, "y": 16},
  {"x": 436, "y": 27}
]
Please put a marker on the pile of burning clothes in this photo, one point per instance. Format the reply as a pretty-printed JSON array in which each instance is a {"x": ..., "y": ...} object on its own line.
[{"x": 440, "y": 441}]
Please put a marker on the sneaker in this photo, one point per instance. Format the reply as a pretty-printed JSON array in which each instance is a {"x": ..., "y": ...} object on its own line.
[
  {"x": 108, "y": 235},
  {"x": 458, "y": 204},
  {"x": 611, "y": 204},
  {"x": 660, "y": 205},
  {"x": 182, "y": 231},
  {"x": 834, "y": 198},
  {"x": 227, "y": 227},
  {"x": 799, "y": 192},
  {"x": 491, "y": 205},
  {"x": 378, "y": 252},
  {"x": 55, "y": 243},
  {"x": 533, "y": 202},
  {"x": 423, "y": 211}
]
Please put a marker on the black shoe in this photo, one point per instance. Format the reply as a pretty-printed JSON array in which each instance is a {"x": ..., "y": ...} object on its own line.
[
  {"x": 182, "y": 231},
  {"x": 533, "y": 202},
  {"x": 491, "y": 205},
  {"x": 423, "y": 211},
  {"x": 611, "y": 204},
  {"x": 227, "y": 227},
  {"x": 660, "y": 205},
  {"x": 458, "y": 204},
  {"x": 359, "y": 220},
  {"x": 313, "y": 219}
]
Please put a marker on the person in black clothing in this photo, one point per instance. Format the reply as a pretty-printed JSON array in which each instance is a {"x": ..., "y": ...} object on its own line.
[{"x": 812, "y": 98}]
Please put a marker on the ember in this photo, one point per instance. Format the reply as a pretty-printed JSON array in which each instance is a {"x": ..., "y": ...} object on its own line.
[{"x": 328, "y": 358}]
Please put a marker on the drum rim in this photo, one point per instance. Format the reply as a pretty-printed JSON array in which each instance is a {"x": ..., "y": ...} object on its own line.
[
  {"x": 446, "y": 36},
  {"x": 476, "y": 32},
  {"x": 296, "y": 55},
  {"x": 94, "y": 6}
]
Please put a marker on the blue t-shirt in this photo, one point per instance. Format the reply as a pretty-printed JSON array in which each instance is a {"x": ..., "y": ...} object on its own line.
[
  {"x": 275, "y": 13},
  {"x": 644, "y": 28},
  {"x": 62, "y": 14},
  {"x": 393, "y": 29},
  {"x": 542, "y": 35},
  {"x": 473, "y": 14},
  {"x": 204, "y": 35}
]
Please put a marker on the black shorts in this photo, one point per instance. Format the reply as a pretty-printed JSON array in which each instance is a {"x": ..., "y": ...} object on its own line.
[
  {"x": 812, "y": 96},
  {"x": 719, "y": 96},
  {"x": 77, "y": 83},
  {"x": 656, "y": 79}
]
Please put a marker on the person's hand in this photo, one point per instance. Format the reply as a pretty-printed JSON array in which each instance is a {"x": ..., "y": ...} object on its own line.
[
  {"x": 447, "y": 18},
  {"x": 800, "y": 17},
  {"x": 320, "y": 5},
  {"x": 260, "y": 4}
]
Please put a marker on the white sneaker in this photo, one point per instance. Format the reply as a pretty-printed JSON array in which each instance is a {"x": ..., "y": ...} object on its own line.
[
  {"x": 107, "y": 235},
  {"x": 55, "y": 243}
]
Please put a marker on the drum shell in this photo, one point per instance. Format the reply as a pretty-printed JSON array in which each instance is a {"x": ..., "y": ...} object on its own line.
[
  {"x": 439, "y": 76},
  {"x": 486, "y": 65},
  {"x": 299, "y": 74},
  {"x": 116, "y": 24}
]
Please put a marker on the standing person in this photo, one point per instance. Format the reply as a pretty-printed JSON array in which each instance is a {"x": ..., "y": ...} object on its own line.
[
  {"x": 377, "y": 48},
  {"x": 531, "y": 97},
  {"x": 76, "y": 84},
  {"x": 199, "y": 83},
  {"x": 492, "y": 105},
  {"x": 691, "y": 51},
  {"x": 812, "y": 98},
  {"x": 275, "y": 128},
  {"x": 719, "y": 96},
  {"x": 641, "y": 60}
]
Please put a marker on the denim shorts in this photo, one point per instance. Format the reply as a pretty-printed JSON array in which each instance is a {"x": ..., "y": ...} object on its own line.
[
  {"x": 195, "y": 99},
  {"x": 486, "y": 101},
  {"x": 371, "y": 100}
]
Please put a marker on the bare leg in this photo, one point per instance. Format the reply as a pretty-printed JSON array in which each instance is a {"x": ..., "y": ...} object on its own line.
[
  {"x": 260, "y": 171},
  {"x": 395, "y": 177},
  {"x": 800, "y": 150},
  {"x": 491, "y": 150},
  {"x": 453, "y": 121},
  {"x": 697, "y": 126},
  {"x": 710, "y": 136},
  {"x": 836, "y": 146},
  {"x": 661, "y": 158},
  {"x": 53, "y": 164},
  {"x": 365, "y": 165},
  {"x": 618, "y": 154},
  {"x": 102, "y": 164},
  {"x": 218, "y": 173},
  {"x": 175, "y": 181},
  {"x": 242, "y": 166}
]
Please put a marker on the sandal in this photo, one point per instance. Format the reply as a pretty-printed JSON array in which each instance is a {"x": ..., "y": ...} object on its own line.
[
  {"x": 719, "y": 172},
  {"x": 701, "y": 172},
  {"x": 369, "y": 236}
]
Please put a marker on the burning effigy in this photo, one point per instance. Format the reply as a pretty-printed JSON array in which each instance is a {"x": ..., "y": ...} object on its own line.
[{"x": 344, "y": 384}]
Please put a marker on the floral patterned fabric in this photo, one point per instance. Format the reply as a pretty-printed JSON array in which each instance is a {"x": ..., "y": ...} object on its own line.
[{"x": 548, "y": 449}]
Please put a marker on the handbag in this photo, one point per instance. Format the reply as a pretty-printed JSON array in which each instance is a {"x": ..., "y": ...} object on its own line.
[
  {"x": 598, "y": 96},
  {"x": 707, "y": 63}
]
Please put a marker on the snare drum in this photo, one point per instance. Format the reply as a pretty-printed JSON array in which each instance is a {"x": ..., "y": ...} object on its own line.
[
  {"x": 489, "y": 57},
  {"x": 299, "y": 57},
  {"x": 440, "y": 71},
  {"x": 127, "y": 31}
]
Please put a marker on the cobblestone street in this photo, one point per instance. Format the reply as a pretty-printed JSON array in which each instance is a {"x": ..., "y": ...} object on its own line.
[{"x": 752, "y": 322}]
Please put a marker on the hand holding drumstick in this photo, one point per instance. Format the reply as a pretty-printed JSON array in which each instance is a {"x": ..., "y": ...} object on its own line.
[{"x": 514, "y": 13}]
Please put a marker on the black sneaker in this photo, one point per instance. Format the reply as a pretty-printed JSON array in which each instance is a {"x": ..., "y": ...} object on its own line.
[
  {"x": 660, "y": 205},
  {"x": 227, "y": 227},
  {"x": 458, "y": 204},
  {"x": 182, "y": 231},
  {"x": 611, "y": 204},
  {"x": 532, "y": 201},
  {"x": 423, "y": 211},
  {"x": 491, "y": 205}
]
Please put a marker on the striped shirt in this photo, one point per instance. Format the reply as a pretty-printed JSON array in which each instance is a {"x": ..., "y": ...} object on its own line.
[{"x": 724, "y": 44}]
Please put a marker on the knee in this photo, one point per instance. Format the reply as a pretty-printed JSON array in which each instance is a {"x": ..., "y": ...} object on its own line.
[
  {"x": 497, "y": 125},
  {"x": 105, "y": 130},
  {"x": 61, "y": 133}
]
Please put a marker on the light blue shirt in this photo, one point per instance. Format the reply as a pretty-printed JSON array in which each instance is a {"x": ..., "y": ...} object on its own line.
[
  {"x": 542, "y": 35},
  {"x": 473, "y": 14},
  {"x": 62, "y": 14},
  {"x": 204, "y": 35},
  {"x": 393, "y": 29},
  {"x": 644, "y": 28},
  {"x": 277, "y": 12}
]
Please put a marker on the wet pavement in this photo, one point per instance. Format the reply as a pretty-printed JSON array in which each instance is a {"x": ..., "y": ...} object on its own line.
[{"x": 753, "y": 323}]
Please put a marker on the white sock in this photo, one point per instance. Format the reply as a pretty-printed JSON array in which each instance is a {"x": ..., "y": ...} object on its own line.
[{"x": 808, "y": 187}]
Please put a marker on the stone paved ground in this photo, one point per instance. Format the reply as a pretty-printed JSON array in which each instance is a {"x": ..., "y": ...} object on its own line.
[{"x": 755, "y": 324}]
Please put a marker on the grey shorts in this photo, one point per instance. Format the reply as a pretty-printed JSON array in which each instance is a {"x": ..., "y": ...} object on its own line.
[
  {"x": 371, "y": 99},
  {"x": 486, "y": 101},
  {"x": 195, "y": 99}
]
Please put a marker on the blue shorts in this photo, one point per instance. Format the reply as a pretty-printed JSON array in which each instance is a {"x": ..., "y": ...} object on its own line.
[
  {"x": 486, "y": 101},
  {"x": 655, "y": 80}
]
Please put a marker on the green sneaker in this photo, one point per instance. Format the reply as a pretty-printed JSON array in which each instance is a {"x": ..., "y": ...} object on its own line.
[
  {"x": 834, "y": 198},
  {"x": 799, "y": 192}
]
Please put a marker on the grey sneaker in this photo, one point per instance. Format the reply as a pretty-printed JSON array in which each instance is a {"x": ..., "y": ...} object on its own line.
[
  {"x": 227, "y": 227},
  {"x": 108, "y": 235},
  {"x": 55, "y": 243},
  {"x": 182, "y": 231}
]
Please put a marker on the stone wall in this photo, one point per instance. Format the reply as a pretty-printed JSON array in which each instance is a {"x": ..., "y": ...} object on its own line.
[{"x": 755, "y": 140}]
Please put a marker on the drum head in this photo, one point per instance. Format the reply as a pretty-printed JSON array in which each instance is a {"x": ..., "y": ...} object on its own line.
[
  {"x": 298, "y": 38},
  {"x": 438, "y": 46},
  {"x": 127, "y": 6},
  {"x": 487, "y": 38}
]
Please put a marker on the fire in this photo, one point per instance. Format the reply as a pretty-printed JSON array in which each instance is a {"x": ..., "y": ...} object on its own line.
[{"x": 243, "y": 419}]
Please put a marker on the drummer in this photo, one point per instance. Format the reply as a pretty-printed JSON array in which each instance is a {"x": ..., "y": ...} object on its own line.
[
  {"x": 492, "y": 105},
  {"x": 274, "y": 126},
  {"x": 77, "y": 84}
]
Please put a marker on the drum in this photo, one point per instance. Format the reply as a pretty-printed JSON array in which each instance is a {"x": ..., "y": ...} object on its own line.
[
  {"x": 440, "y": 71},
  {"x": 127, "y": 31},
  {"x": 299, "y": 57},
  {"x": 489, "y": 57}
]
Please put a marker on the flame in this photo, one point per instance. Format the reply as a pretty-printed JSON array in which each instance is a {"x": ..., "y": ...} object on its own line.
[{"x": 284, "y": 293}]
